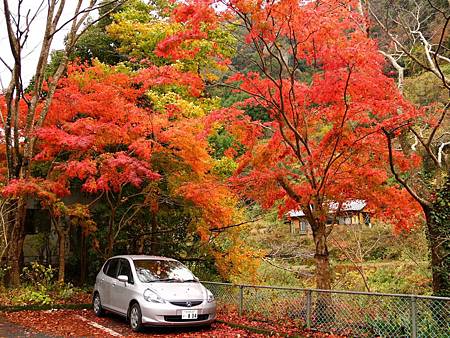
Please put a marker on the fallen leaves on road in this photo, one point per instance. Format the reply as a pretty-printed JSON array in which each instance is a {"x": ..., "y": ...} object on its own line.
[
  {"x": 68, "y": 323},
  {"x": 287, "y": 326}
]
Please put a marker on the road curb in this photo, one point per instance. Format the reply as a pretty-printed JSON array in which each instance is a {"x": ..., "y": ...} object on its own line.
[{"x": 38, "y": 307}]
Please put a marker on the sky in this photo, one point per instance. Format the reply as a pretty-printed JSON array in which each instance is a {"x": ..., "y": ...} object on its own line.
[{"x": 32, "y": 48}]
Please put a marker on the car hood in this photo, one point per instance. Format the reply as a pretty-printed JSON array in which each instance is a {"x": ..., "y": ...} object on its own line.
[{"x": 179, "y": 291}]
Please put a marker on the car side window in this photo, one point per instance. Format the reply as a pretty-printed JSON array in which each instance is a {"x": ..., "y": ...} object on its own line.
[
  {"x": 112, "y": 268},
  {"x": 105, "y": 267},
  {"x": 125, "y": 269}
]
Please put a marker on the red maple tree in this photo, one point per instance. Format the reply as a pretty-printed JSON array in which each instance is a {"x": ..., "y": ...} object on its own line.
[{"x": 320, "y": 81}]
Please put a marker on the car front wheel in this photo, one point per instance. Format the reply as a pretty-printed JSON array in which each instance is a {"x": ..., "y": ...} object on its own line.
[
  {"x": 135, "y": 317},
  {"x": 97, "y": 304}
]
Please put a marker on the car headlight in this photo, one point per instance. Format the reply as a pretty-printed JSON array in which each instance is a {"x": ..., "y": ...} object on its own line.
[
  {"x": 210, "y": 296},
  {"x": 152, "y": 296}
]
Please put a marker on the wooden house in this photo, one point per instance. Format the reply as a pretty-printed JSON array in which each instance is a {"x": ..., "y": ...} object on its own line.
[{"x": 349, "y": 213}]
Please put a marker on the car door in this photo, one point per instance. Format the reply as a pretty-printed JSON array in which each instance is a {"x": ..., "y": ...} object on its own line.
[
  {"x": 109, "y": 283},
  {"x": 100, "y": 282},
  {"x": 123, "y": 292}
]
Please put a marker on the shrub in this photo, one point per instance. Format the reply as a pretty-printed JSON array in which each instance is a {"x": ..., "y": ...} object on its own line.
[
  {"x": 38, "y": 275},
  {"x": 66, "y": 291},
  {"x": 30, "y": 295},
  {"x": 40, "y": 286}
]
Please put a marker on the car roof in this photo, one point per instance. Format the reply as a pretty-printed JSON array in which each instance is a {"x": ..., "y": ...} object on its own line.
[{"x": 139, "y": 257}]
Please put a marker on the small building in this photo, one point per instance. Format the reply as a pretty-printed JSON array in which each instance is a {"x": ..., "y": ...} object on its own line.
[{"x": 350, "y": 213}]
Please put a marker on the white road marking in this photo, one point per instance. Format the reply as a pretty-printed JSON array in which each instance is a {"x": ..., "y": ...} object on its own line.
[{"x": 101, "y": 327}]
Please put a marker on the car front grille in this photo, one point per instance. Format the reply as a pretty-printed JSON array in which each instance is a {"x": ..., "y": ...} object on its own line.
[
  {"x": 179, "y": 319},
  {"x": 188, "y": 303}
]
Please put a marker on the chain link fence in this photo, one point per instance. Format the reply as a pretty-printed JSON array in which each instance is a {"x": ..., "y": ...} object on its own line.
[{"x": 357, "y": 314}]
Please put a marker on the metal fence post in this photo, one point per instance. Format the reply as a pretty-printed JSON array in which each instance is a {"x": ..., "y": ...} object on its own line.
[
  {"x": 241, "y": 299},
  {"x": 413, "y": 303},
  {"x": 308, "y": 308}
]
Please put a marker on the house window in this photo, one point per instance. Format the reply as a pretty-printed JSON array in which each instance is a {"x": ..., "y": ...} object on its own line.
[
  {"x": 303, "y": 226},
  {"x": 295, "y": 226}
]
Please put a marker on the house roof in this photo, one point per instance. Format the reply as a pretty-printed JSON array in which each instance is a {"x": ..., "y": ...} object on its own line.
[{"x": 350, "y": 205}]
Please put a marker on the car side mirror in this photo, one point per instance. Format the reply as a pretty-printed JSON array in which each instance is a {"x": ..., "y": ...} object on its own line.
[{"x": 123, "y": 278}]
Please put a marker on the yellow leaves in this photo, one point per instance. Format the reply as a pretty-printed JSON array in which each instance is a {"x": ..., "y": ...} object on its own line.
[
  {"x": 239, "y": 262},
  {"x": 140, "y": 30},
  {"x": 139, "y": 39},
  {"x": 221, "y": 223},
  {"x": 181, "y": 106},
  {"x": 224, "y": 167}
]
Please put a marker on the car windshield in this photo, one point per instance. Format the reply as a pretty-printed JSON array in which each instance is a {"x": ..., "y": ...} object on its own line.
[{"x": 156, "y": 270}]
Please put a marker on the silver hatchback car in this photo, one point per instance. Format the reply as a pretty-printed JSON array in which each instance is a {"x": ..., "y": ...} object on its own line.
[{"x": 154, "y": 291}]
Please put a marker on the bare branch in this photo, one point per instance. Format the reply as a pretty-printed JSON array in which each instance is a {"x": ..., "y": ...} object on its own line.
[
  {"x": 403, "y": 182},
  {"x": 235, "y": 225}
]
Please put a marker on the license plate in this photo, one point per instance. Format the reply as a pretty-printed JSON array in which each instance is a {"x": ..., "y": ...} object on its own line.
[{"x": 189, "y": 314}]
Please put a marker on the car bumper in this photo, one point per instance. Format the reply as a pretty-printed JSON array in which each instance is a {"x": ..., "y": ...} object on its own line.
[{"x": 170, "y": 315}]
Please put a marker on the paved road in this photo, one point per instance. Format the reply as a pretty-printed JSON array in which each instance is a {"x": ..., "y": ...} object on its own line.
[
  {"x": 8, "y": 330},
  {"x": 83, "y": 323}
]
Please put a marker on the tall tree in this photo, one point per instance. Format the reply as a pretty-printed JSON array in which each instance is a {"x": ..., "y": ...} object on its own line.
[
  {"x": 112, "y": 131},
  {"x": 320, "y": 79},
  {"x": 415, "y": 40},
  {"x": 24, "y": 112}
]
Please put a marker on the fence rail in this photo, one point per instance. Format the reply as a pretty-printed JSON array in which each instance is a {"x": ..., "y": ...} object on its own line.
[{"x": 358, "y": 314}]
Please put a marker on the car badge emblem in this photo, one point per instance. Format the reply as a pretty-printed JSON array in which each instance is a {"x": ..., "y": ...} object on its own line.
[{"x": 188, "y": 304}]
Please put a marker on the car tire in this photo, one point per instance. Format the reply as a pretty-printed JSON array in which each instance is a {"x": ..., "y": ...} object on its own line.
[
  {"x": 97, "y": 305},
  {"x": 135, "y": 317}
]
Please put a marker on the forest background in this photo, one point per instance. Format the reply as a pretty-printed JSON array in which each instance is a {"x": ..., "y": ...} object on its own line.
[{"x": 181, "y": 130}]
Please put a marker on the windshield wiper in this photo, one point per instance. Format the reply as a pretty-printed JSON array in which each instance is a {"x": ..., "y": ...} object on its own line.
[
  {"x": 168, "y": 280},
  {"x": 190, "y": 280}
]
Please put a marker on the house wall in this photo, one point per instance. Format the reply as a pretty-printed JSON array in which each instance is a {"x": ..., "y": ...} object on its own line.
[{"x": 299, "y": 225}]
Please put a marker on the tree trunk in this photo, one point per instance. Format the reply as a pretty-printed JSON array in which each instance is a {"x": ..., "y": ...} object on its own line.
[
  {"x": 324, "y": 308},
  {"x": 109, "y": 248},
  {"x": 61, "y": 257},
  {"x": 13, "y": 278},
  {"x": 16, "y": 244},
  {"x": 154, "y": 238},
  {"x": 321, "y": 256},
  {"x": 62, "y": 237},
  {"x": 110, "y": 238},
  {"x": 438, "y": 234},
  {"x": 83, "y": 258},
  {"x": 141, "y": 244}
]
